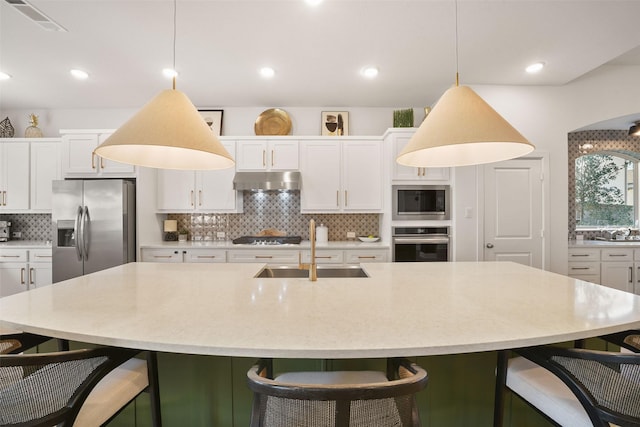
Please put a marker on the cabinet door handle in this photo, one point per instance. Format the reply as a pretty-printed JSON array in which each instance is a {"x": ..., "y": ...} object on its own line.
[
  {"x": 273, "y": 159},
  {"x": 101, "y": 163},
  {"x": 338, "y": 198},
  {"x": 22, "y": 276},
  {"x": 199, "y": 197},
  {"x": 630, "y": 274},
  {"x": 4, "y": 198},
  {"x": 32, "y": 275},
  {"x": 192, "y": 199},
  {"x": 346, "y": 199},
  {"x": 93, "y": 160},
  {"x": 264, "y": 158},
  {"x": 263, "y": 256}
]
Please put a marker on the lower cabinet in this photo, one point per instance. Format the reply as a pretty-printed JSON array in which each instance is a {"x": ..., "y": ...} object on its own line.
[
  {"x": 617, "y": 268},
  {"x": 273, "y": 257},
  {"x": 24, "y": 269},
  {"x": 182, "y": 255}
]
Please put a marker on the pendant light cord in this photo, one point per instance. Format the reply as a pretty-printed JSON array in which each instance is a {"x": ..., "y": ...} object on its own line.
[
  {"x": 457, "y": 76},
  {"x": 174, "y": 42}
]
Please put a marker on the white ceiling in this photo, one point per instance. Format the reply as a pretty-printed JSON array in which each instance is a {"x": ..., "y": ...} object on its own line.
[{"x": 317, "y": 52}]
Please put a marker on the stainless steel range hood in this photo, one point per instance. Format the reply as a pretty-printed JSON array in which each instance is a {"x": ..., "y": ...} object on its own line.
[{"x": 289, "y": 180}]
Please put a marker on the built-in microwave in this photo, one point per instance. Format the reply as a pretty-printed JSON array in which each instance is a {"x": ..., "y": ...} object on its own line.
[{"x": 421, "y": 202}]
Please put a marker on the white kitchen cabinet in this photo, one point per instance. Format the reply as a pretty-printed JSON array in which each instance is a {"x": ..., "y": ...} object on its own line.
[
  {"x": 584, "y": 264},
  {"x": 80, "y": 161},
  {"x": 199, "y": 191},
  {"x": 268, "y": 256},
  {"x": 409, "y": 173},
  {"x": 201, "y": 255},
  {"x": 22, "y": 269},
  {"x": 357, "y": 256},
  {"x": 267, "y": 155},
  {"x": 14, "y": 176},
  {"x": 45, "y": 168},
  {"x": 617, "y": 274},
  {"x": 341, "y": 176},
  {"x": 324, "y": 256}
]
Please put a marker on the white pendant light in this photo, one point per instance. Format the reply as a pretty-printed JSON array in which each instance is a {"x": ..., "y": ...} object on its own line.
[
  {"x": 168, "y": 133},
  {"x": 461, "y": 130}
]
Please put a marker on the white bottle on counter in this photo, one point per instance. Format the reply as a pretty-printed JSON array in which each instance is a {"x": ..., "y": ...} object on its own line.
[{"x": 322, "y": 234}]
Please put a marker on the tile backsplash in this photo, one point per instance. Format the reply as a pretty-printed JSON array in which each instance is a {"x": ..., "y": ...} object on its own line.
[
  {"x": 30, "y": 226},
  {"x": 273, "y": 209}
]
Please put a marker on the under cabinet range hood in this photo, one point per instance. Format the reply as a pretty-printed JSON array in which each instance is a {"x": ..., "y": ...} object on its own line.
[{"x": 288, "y": 180}]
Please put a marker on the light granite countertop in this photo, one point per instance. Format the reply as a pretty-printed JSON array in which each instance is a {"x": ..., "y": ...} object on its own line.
[
  {"x": 402, "y": 309},
  {"x": 26, "y": 244},
  {"x": 227, "y": 244},
  {"x": 604, "y": 244}
]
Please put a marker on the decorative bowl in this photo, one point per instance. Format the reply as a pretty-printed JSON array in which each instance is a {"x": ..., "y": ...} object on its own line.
[{"x": 368, "y": 239}]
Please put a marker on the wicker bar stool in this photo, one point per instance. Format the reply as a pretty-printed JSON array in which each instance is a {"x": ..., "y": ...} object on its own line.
[
  {"x": 575, "y": 387},
  {"x": 339, "y": 398},
  {"x": 81, "y": 387}
]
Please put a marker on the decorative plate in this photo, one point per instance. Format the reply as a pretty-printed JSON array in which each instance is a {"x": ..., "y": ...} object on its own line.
[
  {"x": 368, "y": 239},
  {"x": 273, "y": 121}
]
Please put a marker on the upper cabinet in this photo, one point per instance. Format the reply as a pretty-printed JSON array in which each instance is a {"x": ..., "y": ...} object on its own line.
[
  {"x": 80, "y": 161},
  {"x": 14, "y": 176},
  {"x": 407, "y": 173},
  {"x": 267, "y": 155},
  {"x": 27, "y": 167},
  {"x": 204, "y": 191},
  {"x": 341, "y": 175}
]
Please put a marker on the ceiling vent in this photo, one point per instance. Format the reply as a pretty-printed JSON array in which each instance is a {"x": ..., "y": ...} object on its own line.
[{"x": 35, "y": 15}]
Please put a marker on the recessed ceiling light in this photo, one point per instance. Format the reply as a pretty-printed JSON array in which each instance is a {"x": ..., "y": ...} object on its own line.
[
  {"x": 313, "y": 2},
  {"x": 267, "y": 72},
  {"x": 4, "y": 76},
  {"x": 79, "y": 74},
  {"x": 369, "y": 72},
  {"x": 169, "y": 73},
  {"x": 534, "y": 68}
]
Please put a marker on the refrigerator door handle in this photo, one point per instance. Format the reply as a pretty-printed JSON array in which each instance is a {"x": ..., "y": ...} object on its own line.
[
  {"x": 86, "y": 232},
  {"x": 78, "y": 233}
]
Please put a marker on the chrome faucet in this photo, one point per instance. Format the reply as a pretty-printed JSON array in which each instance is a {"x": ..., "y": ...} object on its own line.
[{"x": 313, "y": 266}]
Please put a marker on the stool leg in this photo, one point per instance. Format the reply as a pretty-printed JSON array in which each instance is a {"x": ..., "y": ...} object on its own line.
[
  {"x": 501, "y": 379},
  {"x": 154, "y": 388}
]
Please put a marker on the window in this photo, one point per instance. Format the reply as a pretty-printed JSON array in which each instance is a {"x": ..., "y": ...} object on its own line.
[{"x": 606, "y": 191}]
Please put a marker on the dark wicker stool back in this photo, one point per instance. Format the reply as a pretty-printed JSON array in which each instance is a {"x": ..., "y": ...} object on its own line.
[
  {"x": 379, "y": 404},
  {"x": 49, "y": 388}
]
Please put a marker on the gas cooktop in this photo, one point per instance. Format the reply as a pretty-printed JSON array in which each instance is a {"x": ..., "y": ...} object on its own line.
[{"x": 267, "y": 240}]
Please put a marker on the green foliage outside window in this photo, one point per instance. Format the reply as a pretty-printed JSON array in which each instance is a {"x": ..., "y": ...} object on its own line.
[{"x": 600, "y": 192}]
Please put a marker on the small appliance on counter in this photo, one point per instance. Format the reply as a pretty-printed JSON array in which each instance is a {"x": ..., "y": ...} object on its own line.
[
  {"x": 5, "y": 231},
  {"x": 170, "y": 230}
]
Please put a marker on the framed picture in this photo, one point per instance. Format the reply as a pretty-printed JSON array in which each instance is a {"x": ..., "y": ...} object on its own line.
[
  {"x": 213, "y": 119},
  {"x": 335, "y": 123}
]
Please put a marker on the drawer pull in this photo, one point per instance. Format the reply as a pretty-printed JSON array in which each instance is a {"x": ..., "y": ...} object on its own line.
[
  {"x": 579, "y": 254},
  {"x": 366, "y": 257},
  {"x": 617, "y": 255},
  {"x": 323, "y": 257},
  {"x": 43, "y": 256},
  {"x": 162, "y": 256},
  {"x": 580, "y": 268},
  {"x": 206, "y": 256},
  {"x": 263, "y": 256},
  {"x": 9, "y": 256}
]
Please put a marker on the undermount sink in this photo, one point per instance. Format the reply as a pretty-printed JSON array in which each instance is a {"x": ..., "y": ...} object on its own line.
[{"x": 323, "y": 272}]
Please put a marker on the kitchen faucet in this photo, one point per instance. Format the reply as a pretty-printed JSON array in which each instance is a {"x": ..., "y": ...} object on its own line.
[{"x": 313, "y": 266}]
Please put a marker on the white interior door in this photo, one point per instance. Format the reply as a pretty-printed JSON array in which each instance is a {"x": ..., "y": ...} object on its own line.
[{"x": 514, "y": 212}]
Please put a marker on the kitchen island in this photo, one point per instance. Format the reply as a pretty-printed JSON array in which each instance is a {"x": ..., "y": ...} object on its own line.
[{"x": 401, "y": 309}]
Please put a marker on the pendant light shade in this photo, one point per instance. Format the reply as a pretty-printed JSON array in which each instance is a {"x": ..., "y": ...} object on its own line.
[
  {"x": 168, "y": 133},
  {"x": 462, "y": 129}
]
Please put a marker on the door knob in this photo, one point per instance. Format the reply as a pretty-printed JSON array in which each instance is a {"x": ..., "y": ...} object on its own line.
[{"x": 489, "y": 245}]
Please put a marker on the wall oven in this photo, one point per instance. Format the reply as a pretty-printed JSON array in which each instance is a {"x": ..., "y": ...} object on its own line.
[
  {"x": 421, "y": 202},
  {"x": 421, "y": 244}
]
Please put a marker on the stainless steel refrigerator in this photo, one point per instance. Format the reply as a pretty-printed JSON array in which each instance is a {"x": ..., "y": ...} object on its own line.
[{"x": 93, "y": 226}]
